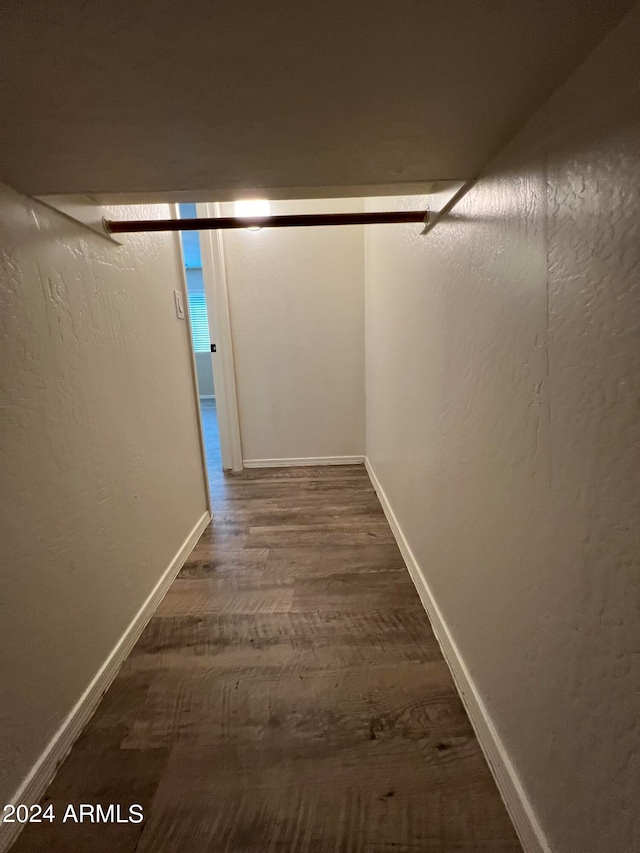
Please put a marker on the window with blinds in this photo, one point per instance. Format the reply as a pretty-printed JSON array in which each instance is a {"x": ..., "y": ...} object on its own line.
[{"x": 199, "y": 322}]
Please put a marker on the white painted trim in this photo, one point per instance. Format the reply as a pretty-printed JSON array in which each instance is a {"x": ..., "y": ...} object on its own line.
[
  {"x": 207, "y": 396},
  {"x": 291, "y": 462},
  {"x": 214, "y": 277},
  {"x": 175, "y": 214},
  {"x": 43, "y": 771},
  {"x": 520, "y": 810}
]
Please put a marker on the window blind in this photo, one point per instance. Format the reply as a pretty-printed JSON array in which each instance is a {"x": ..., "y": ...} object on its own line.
[{"x": 199, "y": 322}]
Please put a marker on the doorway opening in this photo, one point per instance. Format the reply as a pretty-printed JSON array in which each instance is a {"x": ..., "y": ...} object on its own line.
[
  {"x": 200, "y": 313},
  {"x": 298, "y": 320},
  {"x": 213, "y": 364}
]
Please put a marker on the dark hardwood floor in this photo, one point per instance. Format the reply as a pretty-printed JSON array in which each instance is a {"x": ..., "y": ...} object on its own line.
[{"x": 287, "y": 696}]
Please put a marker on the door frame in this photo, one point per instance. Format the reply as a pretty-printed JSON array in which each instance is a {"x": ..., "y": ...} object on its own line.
[{"x": 224, "y": 375}]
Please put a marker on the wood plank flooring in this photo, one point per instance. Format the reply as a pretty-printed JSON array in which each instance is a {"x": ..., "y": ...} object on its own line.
[{"x": 287, "y": 696}]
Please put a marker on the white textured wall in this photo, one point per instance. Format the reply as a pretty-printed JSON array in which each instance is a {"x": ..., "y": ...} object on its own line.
[
  {"x": 503, "y": 389},
  {"x": 297, "y": 314},
  {"x": 100, "y": 468}
]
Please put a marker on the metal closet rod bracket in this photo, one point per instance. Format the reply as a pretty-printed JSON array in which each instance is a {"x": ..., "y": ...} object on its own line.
[{"x": 123, "y": 226}]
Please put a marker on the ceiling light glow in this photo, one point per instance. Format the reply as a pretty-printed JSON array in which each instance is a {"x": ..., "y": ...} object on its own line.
[
  {"x": 249, "y": 208},
  {"x": 252, "y": 207}
]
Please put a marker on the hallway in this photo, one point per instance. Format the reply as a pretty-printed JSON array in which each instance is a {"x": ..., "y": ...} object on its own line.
[{"x": 288, "y": 695}]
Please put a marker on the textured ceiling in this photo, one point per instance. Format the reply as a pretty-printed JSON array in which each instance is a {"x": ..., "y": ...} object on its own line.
[{"x": 145, "y": 98}]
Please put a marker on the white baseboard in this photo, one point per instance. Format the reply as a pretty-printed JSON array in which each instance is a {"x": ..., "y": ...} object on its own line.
[
  {"x": 530, "y": 832},
  {"x": 43, "y": 771},
  {"x": 302, "y": 460}
]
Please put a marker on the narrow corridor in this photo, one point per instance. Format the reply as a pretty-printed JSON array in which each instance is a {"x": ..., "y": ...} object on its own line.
[{"x": 288, "y": 695}]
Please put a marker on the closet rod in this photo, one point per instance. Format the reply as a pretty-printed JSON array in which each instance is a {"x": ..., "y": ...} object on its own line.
[{"x": 123, "y": 226}]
